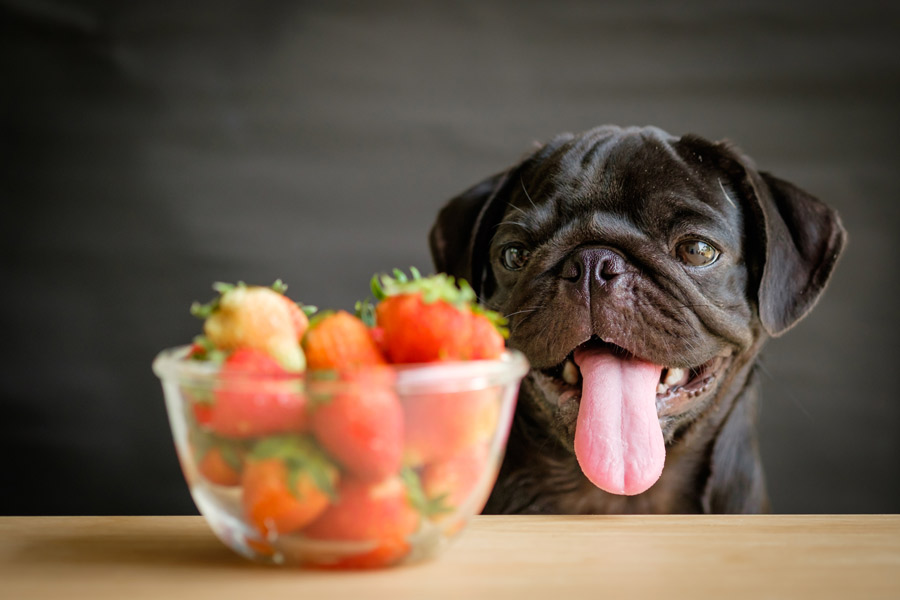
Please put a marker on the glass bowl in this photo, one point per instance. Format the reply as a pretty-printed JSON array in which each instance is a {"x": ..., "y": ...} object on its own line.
[{"x": 378, "y": 468}]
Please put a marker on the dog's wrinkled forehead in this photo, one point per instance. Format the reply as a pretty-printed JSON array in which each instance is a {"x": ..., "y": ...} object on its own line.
[
  {"x": 636, "y": 177},
  {"x": 645, "y": 185}
]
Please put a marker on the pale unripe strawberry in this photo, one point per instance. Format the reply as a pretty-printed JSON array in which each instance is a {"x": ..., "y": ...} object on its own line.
[{"x": 259, "y": 318}]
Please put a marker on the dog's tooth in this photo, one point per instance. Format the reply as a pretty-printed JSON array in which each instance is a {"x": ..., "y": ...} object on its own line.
[
  {"x": 674, "y": 376},
  {"x": 570, "y": 373},
  {"x": 661, "y": 388}
]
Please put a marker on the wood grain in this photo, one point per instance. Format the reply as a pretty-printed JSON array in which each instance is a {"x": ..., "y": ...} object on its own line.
[{"x": 497, "y": 557}]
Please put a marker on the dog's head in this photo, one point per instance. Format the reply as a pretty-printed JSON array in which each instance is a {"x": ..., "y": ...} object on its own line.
[{"x": 636, "y": 269}]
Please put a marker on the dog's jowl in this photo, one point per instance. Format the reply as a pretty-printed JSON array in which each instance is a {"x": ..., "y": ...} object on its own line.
[{"x": 641, "y": 273}]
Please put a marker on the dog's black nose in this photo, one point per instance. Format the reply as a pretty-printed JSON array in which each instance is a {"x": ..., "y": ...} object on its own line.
[{"x": 593, "y": 265}]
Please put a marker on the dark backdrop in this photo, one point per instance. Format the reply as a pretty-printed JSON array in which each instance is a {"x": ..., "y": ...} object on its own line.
[{"x": 150, "y": 148}]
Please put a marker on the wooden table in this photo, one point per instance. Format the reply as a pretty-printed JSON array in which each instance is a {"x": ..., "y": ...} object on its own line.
[{"x": 552, "y": 558}]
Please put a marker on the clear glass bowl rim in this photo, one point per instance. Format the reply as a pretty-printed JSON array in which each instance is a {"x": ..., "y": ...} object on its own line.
[{"x": 172, "y": 365}]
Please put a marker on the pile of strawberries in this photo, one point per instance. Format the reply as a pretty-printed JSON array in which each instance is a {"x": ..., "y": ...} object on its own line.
[{"x": 335, "y": 454}]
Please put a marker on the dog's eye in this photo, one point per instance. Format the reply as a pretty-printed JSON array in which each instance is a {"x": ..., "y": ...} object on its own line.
[
  {"x": 696, "y": 253},
  {"x": 515, "y": 257}
]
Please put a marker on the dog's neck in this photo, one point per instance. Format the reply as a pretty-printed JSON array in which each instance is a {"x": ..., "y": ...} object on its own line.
[{"x": 540, "y": 475}]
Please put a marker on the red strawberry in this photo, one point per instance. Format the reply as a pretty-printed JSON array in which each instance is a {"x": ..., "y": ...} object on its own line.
[
  {"x": 254, "y": 317},
  {"x": 414, "y": 331},
  {"x": 340, "y": 341},
  {"x": 487, "y": 342},
  {"x": 362, "y": 428},
  {"x": 430, "y": 319},
  {"x": 299, "y": 320},
  {"x": 255, "y": 397},
  {"x": 287, "y": 483},
  {"x": 365, "y": 511},
  {"x": 218, "y": 460},
  {"x": 388, "y": 552},
  {"x": 197, "y": 351},
  {"x": 440, "y": 425},
  {"x": 203, "y": 412},
  {"x": 221, "y": 465},
  {"x": 451, "y": 481},
  {"x": 377, "y": 334},
  {"x": 200, "y": 397}
]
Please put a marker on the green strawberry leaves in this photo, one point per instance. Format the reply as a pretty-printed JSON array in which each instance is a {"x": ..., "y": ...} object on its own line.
[
  {"x": 440, "y": 286},
  {"x": 282, "y": 288},
  {"x": 301, "y": 456},
  {"x": 365, "y": 311},
  {"x": 428, "y": 507},
  {"x": 230, "y": 450},
  {"x": 279, "y": 286},
  {"x": 432, "y": 288},
  {"x": 204, "y": 311},
  {"x": 318, "y": 318},
  {"x": 231, "y": 456},
  {"x": 205, "y": 350}
]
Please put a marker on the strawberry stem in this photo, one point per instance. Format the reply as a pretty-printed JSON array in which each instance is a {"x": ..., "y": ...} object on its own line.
[
  {"x": 365, "y": 311},
  {"x": 279, "y": 286},
  {"x": 208, "y": 351},
  {"x": 224, "y": 288}
]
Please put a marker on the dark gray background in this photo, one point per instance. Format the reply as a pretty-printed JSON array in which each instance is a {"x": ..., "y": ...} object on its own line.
[{"x": 150, "y": 148}]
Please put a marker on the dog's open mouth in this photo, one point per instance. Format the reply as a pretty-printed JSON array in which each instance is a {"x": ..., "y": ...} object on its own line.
[
  {"x": 621, "y": 399},
  {"x": 675, "y": 383}
]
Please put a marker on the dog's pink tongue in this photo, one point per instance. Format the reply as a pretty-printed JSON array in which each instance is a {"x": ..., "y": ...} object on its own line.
[{"x": 618, "y": 440}]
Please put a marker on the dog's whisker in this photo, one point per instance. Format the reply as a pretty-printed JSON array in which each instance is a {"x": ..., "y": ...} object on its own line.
[
  {"x": 483, "y": 302},
  {"x": 525, "y": 310},
  {"x": 522, "y": 183},
  {"x": 726, "y": 194},
  {"x": 516, "y": 223},
  {"x": 518, "y": 312},
  {"x": 514, "y": 207},
  {"x": 522, "y": 320}
]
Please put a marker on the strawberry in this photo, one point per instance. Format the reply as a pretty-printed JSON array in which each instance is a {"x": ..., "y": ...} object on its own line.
[
  {"x": 340, "y": 341},
  {"x": 203, "y": 412},
  {"x": 220, "y": 464},
  {"x": 362, "y": 428},
  {"x": 259, "y": 546},
  {"x": 287, "y": 483},
  {"x": 388, "y": 552},
  {"x": 451, "y": 481},
  {"x": 254, "y": 317},
  {"x": 486, "y": 343},
  {"x": 299, "y": 314},
  {"x": 219, "y": 461},
  {"x": 440, "y": 425},
  {"x": 200, "y": 397},
  {"x": 414, "y": 331},
  {"x": 379, "y": 511},
  {"x": 254, "y": 397},
  {"x": 299, "y": 320},
  {"x": 432, "y": 319}
]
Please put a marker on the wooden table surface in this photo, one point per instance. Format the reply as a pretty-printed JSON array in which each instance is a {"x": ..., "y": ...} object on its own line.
[{"x": 553, "y": 558}]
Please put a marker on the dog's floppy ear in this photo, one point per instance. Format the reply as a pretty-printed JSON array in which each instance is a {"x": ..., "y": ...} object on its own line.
[
  {"x": 793, "y": 239},
  {"x": 461, "y": 235},
  {"x": 460, "y": 239},
  {"x": 804, "y": 239}
]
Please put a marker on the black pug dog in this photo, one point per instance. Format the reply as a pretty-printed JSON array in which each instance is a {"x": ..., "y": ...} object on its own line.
[{"x": 641, "y": 274}]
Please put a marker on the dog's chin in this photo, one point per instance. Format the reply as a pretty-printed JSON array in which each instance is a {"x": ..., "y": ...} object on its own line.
[{"x": 681, "y": 394}]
